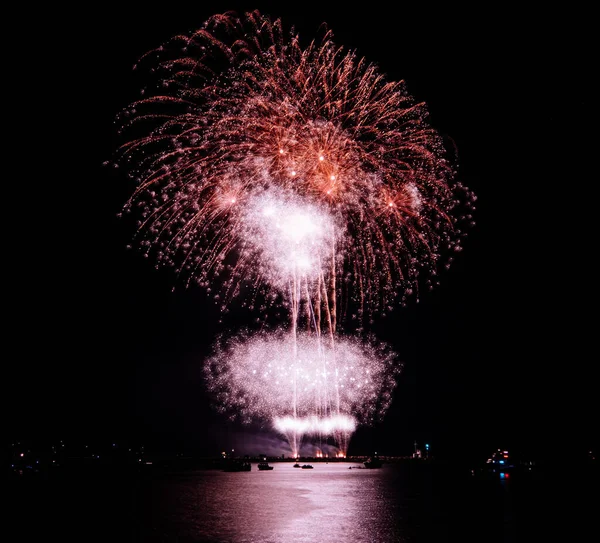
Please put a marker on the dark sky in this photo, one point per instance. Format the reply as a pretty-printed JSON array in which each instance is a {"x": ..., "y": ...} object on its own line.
[{"x": 500, "y": 355}]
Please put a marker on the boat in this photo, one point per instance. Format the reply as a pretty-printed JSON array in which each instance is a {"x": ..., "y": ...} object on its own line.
[
  {"x": 297, "y": 466},
  {"x": 500, "y": 461},
  {"x": 264, "y": 466},
  {"x": 307, "y": 466},
  {"x": 501, "y": 464},
  {"x": 237, "y": 465},
  {"x": 373, "y": 463}
]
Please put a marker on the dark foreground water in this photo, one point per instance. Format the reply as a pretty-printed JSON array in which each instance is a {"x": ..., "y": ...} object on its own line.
[{"x": 331, "y": 503}]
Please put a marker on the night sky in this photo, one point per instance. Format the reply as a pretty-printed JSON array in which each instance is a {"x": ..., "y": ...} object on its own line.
[{"x": 500, "y": 355}]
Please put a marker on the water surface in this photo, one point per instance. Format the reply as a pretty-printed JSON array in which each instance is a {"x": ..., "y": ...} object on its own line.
[{"x": 334, "y": 502}]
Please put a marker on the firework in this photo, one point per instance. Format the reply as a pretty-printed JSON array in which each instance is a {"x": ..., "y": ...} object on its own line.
[
  {"x": 288, "y": 237},
  {"x": 299, "y": 175},
  {"x": 240, "y": 106},
  {"x": 303, "y": 385}
]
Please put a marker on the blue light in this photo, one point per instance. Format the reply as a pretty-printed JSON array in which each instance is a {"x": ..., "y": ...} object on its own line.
[
  {"x": 427, "y": 446},
  {"x": 501, "y": 461},
  {"x": 502, "y": 475}
]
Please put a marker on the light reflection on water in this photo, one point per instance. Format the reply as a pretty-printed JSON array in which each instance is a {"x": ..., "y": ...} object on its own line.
[
  {"x": 404, "y": 502},
  {"x": 287, "y": 504}
]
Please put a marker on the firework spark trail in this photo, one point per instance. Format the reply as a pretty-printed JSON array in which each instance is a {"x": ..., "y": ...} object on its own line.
[
  {"x": 259, "y": 377},
  {"x": 241, "y": 105},
  {"x": 304, "y": 174}
]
